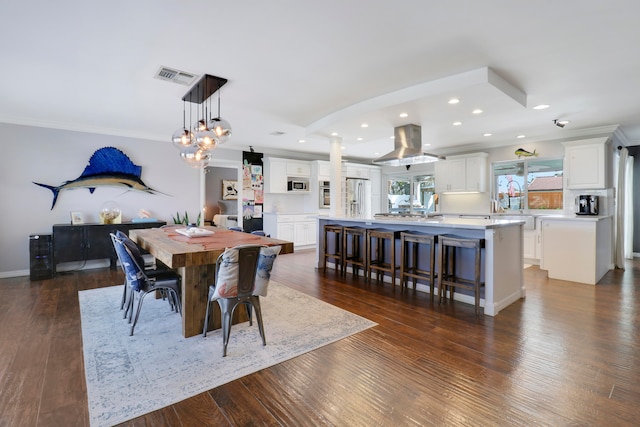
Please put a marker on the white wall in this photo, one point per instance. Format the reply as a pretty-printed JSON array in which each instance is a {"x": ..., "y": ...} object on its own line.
[{"x": 52, "y": 156}]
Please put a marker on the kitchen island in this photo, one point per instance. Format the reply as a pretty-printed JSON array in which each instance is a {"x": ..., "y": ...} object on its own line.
[{"x": 502, "y": 257}]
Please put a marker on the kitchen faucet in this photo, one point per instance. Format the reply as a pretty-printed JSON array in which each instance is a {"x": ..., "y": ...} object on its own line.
[{"x": 520, "y": 196}]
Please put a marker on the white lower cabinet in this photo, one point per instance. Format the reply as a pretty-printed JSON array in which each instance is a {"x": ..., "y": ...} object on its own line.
[
  {"x": 297, "y": 228},
  {"x": 576, "y": 250},
  {"x": 284, "y": 231},
  {"x": 304, "y": 233},
  {"x": 529, "y": 244}
]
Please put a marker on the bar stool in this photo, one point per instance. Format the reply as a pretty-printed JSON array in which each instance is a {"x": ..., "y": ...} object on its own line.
[
  {"x": 337, "y": 231},
  {"x": 410, "y": 243},
  {"x": 448, "y": 274},
  {"x": 376, "y": 242},
  {"x": 352, "y": 240}
]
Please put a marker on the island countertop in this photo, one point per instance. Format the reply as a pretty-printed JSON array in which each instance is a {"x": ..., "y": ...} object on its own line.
[{"x": 439, "y": 222}]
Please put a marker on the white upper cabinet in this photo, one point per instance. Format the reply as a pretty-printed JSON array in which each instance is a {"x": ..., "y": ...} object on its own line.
[
  {"x": 357, "y": 171},
  {"x": 465, "y": 173},
  {"x": 450, "y": 175},
  {"x": 298, "y": 168},
  {"x": 275, "y": 175},
  {"x": 586, "y": 163},
  {"x": 278, "y": 171},
  {"x": 324, "y": 170}
]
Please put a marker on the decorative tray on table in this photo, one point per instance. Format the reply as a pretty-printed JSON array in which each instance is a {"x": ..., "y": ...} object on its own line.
[{"x": 194, "y": 232}]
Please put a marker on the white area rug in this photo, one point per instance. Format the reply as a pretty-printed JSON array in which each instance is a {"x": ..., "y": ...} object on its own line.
[{"x": 131, "y": 376}]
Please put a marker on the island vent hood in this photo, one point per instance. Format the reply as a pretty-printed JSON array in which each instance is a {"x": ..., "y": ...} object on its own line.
[{"x": 407, "y": 141}]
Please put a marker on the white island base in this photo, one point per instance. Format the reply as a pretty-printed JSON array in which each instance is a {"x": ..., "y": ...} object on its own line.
[{"x": 502, "y": 258}]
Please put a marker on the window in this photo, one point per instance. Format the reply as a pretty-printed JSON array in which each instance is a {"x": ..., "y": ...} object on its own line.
[
  {"x": 528, "y": 184},
  {"x": 411, "y": 194}
]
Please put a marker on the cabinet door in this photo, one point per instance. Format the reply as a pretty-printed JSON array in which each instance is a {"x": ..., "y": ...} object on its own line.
[
  {"x": 310, "y": 233},
  {"x": 300, "y": 233},
  {"x": 450, "y": 175},
  {"x": 585, "y": 166},
  {"x": 476, "y": 174},
  {"x": 98, "y": 243},
  {"x": 324, "y": 170},
  {"x": 68, "y": 243},
  {"x": 529, "y": 244},
  {"x": 275, "y": 175},
  {"x": 298, "y": 169},
  {"x": 354, "y": 171},
  {"x": 286, "y": 232}
]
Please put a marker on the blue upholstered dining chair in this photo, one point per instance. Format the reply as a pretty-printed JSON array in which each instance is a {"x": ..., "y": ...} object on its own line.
[
  {"x": 242, "y": 276},
  {"x": 141, "y": 281}
]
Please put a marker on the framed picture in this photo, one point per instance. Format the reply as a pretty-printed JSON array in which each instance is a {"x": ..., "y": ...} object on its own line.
[
  {"x": 77, "y": 218},
  {"x": 229, "y": 190}
]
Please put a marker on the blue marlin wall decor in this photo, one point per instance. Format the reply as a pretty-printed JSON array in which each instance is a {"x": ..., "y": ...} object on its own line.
[{"x": 107, "y": 166}]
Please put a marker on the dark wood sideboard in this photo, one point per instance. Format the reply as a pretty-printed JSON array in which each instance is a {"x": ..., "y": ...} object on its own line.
[{"x": 86, "y": 242}]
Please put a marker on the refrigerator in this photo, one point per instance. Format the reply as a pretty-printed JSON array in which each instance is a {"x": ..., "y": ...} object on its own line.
[{"x": 358, "y": 198}]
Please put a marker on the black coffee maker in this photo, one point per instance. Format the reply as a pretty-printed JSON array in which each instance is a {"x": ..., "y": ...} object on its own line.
[{"x": 587, "y": 204}]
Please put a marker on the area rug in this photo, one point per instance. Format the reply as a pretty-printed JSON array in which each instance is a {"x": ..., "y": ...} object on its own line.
[{"x": 130, "y": 376}]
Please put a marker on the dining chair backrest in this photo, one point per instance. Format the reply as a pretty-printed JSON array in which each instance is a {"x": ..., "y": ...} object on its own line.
[
  {"x": 236, "y": 271},
  {"x": 127, "y": 252}
]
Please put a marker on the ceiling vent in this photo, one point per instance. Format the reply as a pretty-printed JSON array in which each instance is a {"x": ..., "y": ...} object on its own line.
[{"x": 175, "y": 76}]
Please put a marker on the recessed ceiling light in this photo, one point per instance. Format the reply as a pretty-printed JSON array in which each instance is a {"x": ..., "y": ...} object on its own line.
[
  {"x": 487, "y": 134},
  {"x": 334, "y": 133},
  {"x": 364, "y": 125},
  {"x": 392, "y": 137},
  {"x": 541, "y": 107},
  {"x": 520, "y": 136},
  {"x": 376, "y": 154},
  {"x": 454, "y": 101},
  {"x": 403, "y": 115},
  {"x": 477, "y": 111},
  {"x": 301, "y": 141},
  {"x": 343, "y": 147},
  {"x": 457, "y": 123},
  {"x": 359, "y": 138},
  {"x": 426, "y": 145}
]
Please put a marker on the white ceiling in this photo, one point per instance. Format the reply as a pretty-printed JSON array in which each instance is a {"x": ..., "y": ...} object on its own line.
[{"x": 311, "y": 68}]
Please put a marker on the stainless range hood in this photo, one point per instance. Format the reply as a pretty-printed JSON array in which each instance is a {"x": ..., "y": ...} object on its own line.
[{"x": 408, "y": 148}]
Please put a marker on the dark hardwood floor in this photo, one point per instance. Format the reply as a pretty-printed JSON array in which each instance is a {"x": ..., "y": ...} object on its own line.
[{"x": 568, "y": 354}]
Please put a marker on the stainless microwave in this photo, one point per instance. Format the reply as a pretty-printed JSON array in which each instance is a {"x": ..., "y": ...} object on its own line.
[{"x": 297, "y": 185}]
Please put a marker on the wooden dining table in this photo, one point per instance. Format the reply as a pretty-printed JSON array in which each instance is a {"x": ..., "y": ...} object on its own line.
[{"x": 194, "y": 258}]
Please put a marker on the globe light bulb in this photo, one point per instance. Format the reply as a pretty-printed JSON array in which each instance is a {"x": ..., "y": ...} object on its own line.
[
  {"x": 221, "y": 128},
  {"x": 182, "y": 138}
]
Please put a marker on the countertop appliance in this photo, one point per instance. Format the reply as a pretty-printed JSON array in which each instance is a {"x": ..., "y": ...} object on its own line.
[
  {"x": 587, "y": 204},
  {"x": 358, "y": 203},
  {"x": 297, "y": 185},
  {"x": 325, "y": 194}
]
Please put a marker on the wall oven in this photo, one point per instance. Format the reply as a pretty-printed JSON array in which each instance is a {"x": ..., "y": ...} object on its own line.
[{"x": 325, "y": 194}]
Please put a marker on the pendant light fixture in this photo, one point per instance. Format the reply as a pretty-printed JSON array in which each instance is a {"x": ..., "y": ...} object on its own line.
[
  {"x": 183, "y": 136},
  {"x": 197, "y": 142},
  {"x": 220, "y": 127}
]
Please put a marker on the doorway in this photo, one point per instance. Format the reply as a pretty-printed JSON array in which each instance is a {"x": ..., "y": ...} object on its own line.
[{"x": 214, "y": 198}]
